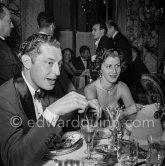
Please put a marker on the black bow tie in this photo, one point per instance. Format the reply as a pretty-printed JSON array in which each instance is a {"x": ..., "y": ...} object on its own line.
[{"x": 39, "y": 94}]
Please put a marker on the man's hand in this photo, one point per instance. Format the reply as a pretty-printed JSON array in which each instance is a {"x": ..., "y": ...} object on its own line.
[{"x": 69, "y": 103}]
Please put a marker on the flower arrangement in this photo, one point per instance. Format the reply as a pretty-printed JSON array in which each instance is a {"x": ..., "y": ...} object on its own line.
[{"x": 143, "y": 20}]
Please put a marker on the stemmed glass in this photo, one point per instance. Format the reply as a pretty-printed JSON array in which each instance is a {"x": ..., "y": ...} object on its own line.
[
  {"x": 89, "y": 125},
  {"x": 156, "y": 150},
  {"x": 127, "y": 152},
  {"x": 115, "y": 127}
]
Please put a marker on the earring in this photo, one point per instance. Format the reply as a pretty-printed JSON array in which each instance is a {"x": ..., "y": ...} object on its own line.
[{"x": 100, "y": 74}]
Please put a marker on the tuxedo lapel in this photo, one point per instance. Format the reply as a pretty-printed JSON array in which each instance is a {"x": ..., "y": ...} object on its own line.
[
  {"x": 81, "y": 64},
  {"x": 25, "y": 97}
]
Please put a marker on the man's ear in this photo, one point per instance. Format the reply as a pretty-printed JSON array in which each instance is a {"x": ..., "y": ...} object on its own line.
[
  {"x": 26, "y": 60},
  {"x": 103, "y": 31}
]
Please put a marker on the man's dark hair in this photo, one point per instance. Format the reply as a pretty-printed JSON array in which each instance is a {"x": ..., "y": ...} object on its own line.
[
  {"x": 83, "y": 48},
  {"x": 2, "y": 13},
  {"x": 102, "y": 26},
  {"x": 44, "y": 19},
  {"x": 31, "y": 46},
  {"x": 111, "y": 23}
]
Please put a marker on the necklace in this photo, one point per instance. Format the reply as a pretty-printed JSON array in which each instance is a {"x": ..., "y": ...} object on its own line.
[{"x": 107, "y": 90}]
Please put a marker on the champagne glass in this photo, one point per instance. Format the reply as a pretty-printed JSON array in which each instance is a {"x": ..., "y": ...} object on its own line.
[
  {"x": 89, "y": 124},
  {"x": 127, "y": 152},
  {"x": 115, "y": 127},
  {"x": 156, "y": 151}
]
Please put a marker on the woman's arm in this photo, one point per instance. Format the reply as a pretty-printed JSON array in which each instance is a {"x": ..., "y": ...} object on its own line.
[
  {"x": 72, "y": 67},
  {"x": 69, "y": 69},
  {"x": 130, "y": 106}
]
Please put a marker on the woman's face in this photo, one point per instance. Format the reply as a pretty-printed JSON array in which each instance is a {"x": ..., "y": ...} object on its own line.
[
  {"x": 111, "y": 69},
  {"x": 67, "y": 55}
]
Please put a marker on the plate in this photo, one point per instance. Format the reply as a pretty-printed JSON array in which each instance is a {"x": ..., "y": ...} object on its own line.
[
  {"x": 70, "y": 142},
  {"x": 102, "y": 133}
]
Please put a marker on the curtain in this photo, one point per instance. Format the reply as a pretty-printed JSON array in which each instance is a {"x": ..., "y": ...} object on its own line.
[
  {"x": 29, "y": 12},
  {"x": 121, "y": 15}
]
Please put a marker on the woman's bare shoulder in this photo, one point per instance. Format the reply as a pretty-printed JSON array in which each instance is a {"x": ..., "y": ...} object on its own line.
[
  {"x": 122, "y": 85},
  {"x": 91, "y": 86}
]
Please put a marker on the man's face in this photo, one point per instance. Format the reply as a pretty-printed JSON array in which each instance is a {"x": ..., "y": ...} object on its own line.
[
  {"x": 6, "y": 24},
  {"x": 46, "y": 67},
  {"x": 85, "y": 55},
  {"x": 110, "y": 32},
  {"x": 96, "y": 32}
]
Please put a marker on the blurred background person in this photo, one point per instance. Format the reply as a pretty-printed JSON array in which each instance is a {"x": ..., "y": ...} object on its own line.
[
  {"x": 102, "y": 42},
  {"x": 99, "y": 31},
  {"x": 46, "y": 23},
  {"x": 81, "y": 63},
  {"x": 64, "y": 83},
  {"x": 10, "y": 65},
  {"x": 139, "y": 69},
  {"x": 69, "y": 68}
]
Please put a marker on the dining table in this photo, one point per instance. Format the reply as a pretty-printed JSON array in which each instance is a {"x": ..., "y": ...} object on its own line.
[{"x": 139, "y": 129}]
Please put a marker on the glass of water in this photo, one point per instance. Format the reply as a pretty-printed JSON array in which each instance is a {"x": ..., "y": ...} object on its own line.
[{"x": 127, "y": 152}]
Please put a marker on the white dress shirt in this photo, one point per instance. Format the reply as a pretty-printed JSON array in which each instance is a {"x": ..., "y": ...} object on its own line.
[
  {"x": 47, "y": 114},
  {"x": 84, "y": 62},
  {"x": 114, "y": 34},
  {"x": 97, "y": 42},
  {"x": 2, "y": 38}
]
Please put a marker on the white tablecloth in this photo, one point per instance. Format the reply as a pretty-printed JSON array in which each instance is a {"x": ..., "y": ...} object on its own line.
[{"x": 138, "y": 132}]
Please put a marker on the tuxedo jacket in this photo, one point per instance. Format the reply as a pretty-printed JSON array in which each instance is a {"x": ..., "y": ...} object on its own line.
[
  {"x": 104, "y": 42},
  {"x": 122, "y": 43},
  {"x": 20, "y": 144},
  {"x": 10, "y": 65},
  {"x": 78, "y": 64}
]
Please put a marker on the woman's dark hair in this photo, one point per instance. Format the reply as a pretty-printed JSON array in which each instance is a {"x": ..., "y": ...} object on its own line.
[{"x": 69, "y": 49}]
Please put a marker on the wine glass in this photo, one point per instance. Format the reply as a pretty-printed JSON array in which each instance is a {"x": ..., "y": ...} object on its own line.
[
  {"x": 89, "y": 125},
  {"x": 156, "y": 151},
  {"x": 127, "y": 152}
]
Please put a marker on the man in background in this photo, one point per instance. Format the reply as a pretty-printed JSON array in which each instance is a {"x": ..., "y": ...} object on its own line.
[
  {"x": 102, "y": 42},
  {"x": 81, "y": 63},
  {"x": 46, "y": 23},
  {"x": 99, "y": 31},
  {"x": 10, "y": 65}
]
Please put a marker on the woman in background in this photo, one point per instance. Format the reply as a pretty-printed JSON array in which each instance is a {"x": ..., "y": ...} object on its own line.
[
  {"x": 67, "y": 62},
  {"x": 107, "y": 89}
]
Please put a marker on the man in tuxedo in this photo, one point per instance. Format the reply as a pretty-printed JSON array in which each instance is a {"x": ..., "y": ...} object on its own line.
[
  {"x": 99, "y": 31},
  {"x": 122, "y": 44},
  {"x": 81, "y": 63},
  {"x": 29, "y": 117},
  {"x": 102, "y": 42},
  {"x": 46, "y": 23},
  {"x": 9, "y": 62}
]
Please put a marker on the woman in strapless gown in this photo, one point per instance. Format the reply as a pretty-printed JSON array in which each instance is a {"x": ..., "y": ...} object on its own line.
[{"x": 107, "y": 89}]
